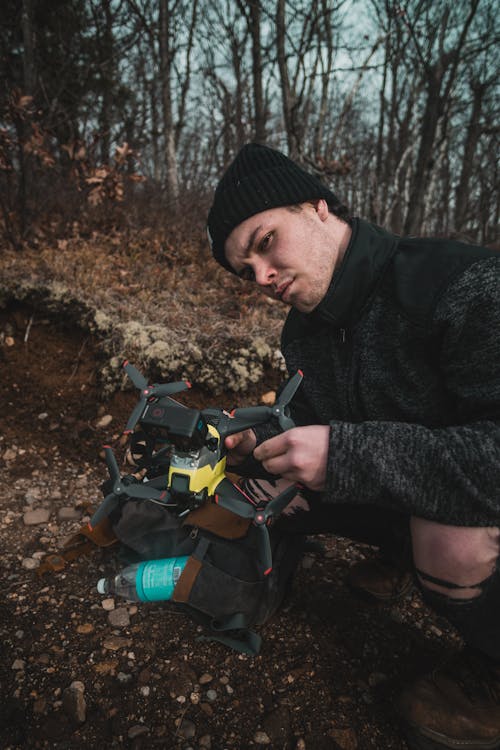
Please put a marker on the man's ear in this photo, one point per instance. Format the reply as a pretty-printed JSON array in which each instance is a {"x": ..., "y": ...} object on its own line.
[{"x": 322, "y": 208}]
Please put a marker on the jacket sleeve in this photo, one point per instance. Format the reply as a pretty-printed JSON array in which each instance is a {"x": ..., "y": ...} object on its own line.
[{"x": 450, "y": 474}]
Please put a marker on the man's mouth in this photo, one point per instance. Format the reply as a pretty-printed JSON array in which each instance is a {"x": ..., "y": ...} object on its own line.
[{"x": 282, "y": 290}]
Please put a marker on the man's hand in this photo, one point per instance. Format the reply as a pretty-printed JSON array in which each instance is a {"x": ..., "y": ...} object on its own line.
[
  {"x": 299, "y": 454},
  {"x": 239, "y": 446}
]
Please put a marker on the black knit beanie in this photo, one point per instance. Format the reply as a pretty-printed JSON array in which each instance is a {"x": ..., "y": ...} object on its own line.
[{"x": 258, "y": 179}]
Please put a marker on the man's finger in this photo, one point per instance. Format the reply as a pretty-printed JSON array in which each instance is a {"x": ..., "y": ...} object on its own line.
[
  {"x": 279, "y": 465},
  {"x": 275, "y": 446}
]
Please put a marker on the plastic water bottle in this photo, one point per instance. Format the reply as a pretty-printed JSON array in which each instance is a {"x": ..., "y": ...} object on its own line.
[{"x": 150, "y": 581}]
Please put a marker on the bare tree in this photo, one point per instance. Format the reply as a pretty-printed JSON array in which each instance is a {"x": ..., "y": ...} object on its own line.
[{"x": 439, "y": 53}]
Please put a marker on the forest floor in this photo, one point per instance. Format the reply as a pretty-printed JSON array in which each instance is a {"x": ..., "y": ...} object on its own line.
[{"x": 330, "y": 667}]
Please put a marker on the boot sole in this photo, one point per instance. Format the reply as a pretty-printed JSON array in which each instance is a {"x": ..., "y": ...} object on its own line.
[
  {"x": 416, "y": 740},
  {"x": 369, "y": 596}
]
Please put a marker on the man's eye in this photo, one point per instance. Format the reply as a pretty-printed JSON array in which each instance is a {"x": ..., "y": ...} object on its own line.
[{"x": 265, "y": 241}]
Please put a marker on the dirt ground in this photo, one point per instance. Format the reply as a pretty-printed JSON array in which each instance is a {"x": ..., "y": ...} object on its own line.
[{"x": 330, "y": 667}]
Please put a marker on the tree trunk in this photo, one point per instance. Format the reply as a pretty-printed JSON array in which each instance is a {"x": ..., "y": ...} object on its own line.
[
  {"x": 286, "y": 91},
  {"x": 258, "y": 100},
  {"x": 471, "y": 141},
  {"x": 106, "y": 53},
  {"x": 445, "y": 66},
  {"x": 23, "y": 125},
  {"x": 325, "y": 35},
  {"x": 424, "y": 161},
  {"x": 171, "y": 183}
]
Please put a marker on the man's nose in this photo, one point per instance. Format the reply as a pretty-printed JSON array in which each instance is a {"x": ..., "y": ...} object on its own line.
[{"x": 264, "y": 273}]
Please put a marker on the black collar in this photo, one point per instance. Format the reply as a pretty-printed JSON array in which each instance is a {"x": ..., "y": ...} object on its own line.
[{"x": 366, "y": 256}]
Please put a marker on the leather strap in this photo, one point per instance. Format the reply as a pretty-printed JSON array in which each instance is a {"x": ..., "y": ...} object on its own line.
[
  {"x": 187, "y": 578},
  {"x": 220, "y": 521},
  {"x": 81, "y": 543}
]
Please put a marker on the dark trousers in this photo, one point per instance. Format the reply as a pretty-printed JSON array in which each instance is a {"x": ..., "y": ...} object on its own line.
[{"x": 477, "y": 620}]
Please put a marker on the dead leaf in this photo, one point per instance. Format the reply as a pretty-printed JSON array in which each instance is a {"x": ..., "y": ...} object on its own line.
[{"x": 268, "y": 398}]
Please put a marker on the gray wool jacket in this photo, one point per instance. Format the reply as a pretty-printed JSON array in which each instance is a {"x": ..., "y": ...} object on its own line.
[{"x": 402, "y": 360}]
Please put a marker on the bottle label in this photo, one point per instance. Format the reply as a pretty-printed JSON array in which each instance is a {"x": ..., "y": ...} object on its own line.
[{"x": 156, "y": 579}]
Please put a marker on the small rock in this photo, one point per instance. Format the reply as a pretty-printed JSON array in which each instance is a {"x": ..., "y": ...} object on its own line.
[
  {"x": 39, "y": 706},
  {"x": 78, "y": 685},
  {"x": 9, "y": 341},
  {"x": 104, "y": 421},
  {"x": 30, "y": 564},
  {"x": 376, "y": 678},
  {"x": 18, "y": 664},
  {"x": 145, "y": 691},
  {"x": 205, "y": 679},
  {"x": 106, "y": 667},
  {"x": 123, "y": 678},
  {"x": 436, "y": 631},
  {"x": 74, "y": 705},
  {"x": 119, "y": 618},
  {"x": 108, "y": 604},
  {"x": 32, "y": 495},
  {"x": 186, "y": 729},
  {"x": 345, "y": 738},
  {"x": 9, "y": 454},
  {"x": 35, "y": 517},
  {"x": 137, "y": 730},
  {"x": 43, "y": 415},
  {"x": 115, "y": 642},
  {"x": 211, "y": 695},
  {"x": 205, "y": 742},
  {"x": 261, "y": 738},
  {"x": 144, "y": 676},
  {"x": 301, "y": 745},
  {"x": 68, "y": 514},
  {"x": 307, "y": 562},
  {"x": 85, "y": 628}
]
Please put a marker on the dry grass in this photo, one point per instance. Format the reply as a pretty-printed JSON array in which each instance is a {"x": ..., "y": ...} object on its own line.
[{"x": 162, "y": 298}]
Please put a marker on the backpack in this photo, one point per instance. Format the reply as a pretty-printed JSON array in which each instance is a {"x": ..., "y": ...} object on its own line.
[{"x": 222, "y": 587}]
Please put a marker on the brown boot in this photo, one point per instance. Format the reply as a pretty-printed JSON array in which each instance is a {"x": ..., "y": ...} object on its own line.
[
  {"x": 379, "y": 579},
  {"x": 457, "y": 706}
]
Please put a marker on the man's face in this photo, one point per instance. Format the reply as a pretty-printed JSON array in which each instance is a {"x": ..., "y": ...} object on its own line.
[{"x": 290, "y": 253}]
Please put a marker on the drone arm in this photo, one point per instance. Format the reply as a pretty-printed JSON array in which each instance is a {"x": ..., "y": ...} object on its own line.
[
  {"x": 105, "y": 509},
  {"x": 229, "y": 496},
  {"x": 242, "y": 419}
]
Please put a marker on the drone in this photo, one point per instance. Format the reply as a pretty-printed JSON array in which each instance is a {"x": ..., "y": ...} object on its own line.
[{"x": 183, "y": 453}]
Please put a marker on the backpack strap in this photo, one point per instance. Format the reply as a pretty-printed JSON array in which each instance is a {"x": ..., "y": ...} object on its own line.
[
  {"x": 219, "y": 521},
  {"x": 188, "y": 576},
  {"x": 81, "y": 543},
  {"x": 242, "y": 639}
]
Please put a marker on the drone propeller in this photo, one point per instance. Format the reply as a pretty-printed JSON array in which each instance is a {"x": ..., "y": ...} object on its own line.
[
  {"x": 124, "y": 487},
  {"x": 156, "y": 391},
  {"x": 250, "y": 416},
  {"x": 231, "y": 497}
]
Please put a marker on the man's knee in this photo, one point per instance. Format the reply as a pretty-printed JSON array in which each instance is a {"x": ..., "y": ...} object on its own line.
[{"x": 454, "y": 560}]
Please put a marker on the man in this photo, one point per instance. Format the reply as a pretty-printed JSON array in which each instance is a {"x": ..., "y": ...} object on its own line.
[{"x": 398, "y": 414}]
